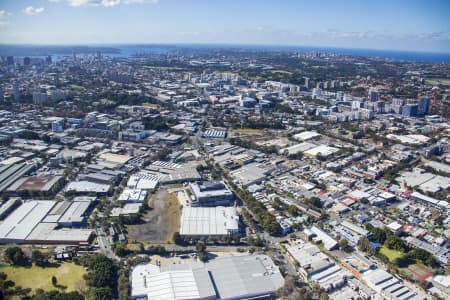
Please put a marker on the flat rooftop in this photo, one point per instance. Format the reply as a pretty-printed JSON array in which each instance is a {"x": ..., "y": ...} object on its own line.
[
  {"x": 24, "y": 219},
  {"x": 236, "y": 277},
  {"x": 208, "y": 220}
]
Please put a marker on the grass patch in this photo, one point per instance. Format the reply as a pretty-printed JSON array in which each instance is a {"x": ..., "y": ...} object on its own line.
[
  {"x": 75, "y": 87},
  {"x": 67, "y": 274},
  {"x": 248, "y": 131},
  {"x": 163, "y": 68},
  {"x": 134, "y": 247},
  {"x": 281, "y": 72},
  {"x": 438, "y": 81},
  {"x": 172, "y": 214},
  {"x": 390, "y": 253}
]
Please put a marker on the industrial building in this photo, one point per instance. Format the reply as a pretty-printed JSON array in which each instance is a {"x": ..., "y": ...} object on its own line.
[
  {"x": 227, "y": 278},
  {"x": 133, "y": 196},
  {"x": 215, "y": 134},
  {"x": 9, "y": 174},
  {"x": 211, "y": 194},
  {"x": 86, "y": 187},
  {"x": 322, "y": 150},
  {"x": 351, "y": 232},
  {"x": 249, "y": 174},
  {"x": 307, "y": 135},
  {"x": 198, "y": 222},
  {"x": 317, "y": 267},
  {"x": 389, "y": 286},
  {"x": 37, "y": 221},
  {"x": 43, "y": 184},
  {"x": 144, "y": 180},
  {"x": 169, "y": 173}
]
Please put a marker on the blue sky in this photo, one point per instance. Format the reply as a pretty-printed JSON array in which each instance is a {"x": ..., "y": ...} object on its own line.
[{"x": 416, "y": 25}]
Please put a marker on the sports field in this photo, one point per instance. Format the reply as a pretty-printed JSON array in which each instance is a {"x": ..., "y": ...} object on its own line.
[
  {"x": 438, "y": 81},
  {"x": 417, "y": 272}
]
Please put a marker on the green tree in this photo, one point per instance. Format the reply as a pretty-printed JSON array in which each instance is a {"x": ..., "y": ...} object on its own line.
[
  {"x": 29, "y": 135},
  {"x": 100, "y": 293},
  {"x": 57, "y": 295},
  {"x": 396, "y": 243},
  {"x": 201, "y": 250},
  {"x": 38, "y": 258},
  {"x": 293, "y": 210},
  {"x": 102, "y": 271},
  {"x": 365, "y": 246},
  {"x": 314, "y": 201},
  {"x": 15, "y": 256},
  {"x": 343, "y": 244},
  {"x": 324, "y": 296},
  {"x": 378, "y": 235},
  {"x": 176, "y": 238},
  {"x": 121, "y": 250},
  {"x": 54, "y": 281}
]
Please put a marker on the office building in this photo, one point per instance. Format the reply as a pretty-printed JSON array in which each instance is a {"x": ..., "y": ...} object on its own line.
[
  {"x": 373, "y": 95},
  {"x": 39, "y": 98},
  {"x": 424, "y": 105},
  {"x": 211, "y": 194},
  {"x": 16, "y": 91},
  {"x": 410, "y": 110}
]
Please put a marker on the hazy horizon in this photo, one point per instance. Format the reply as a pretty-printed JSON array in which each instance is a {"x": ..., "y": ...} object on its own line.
[
  {"x": 224, "y": 45},
  {"x": 399, "y": 25}
]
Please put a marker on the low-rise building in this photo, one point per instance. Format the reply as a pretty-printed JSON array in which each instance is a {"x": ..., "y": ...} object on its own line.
[
  {"x": 198, "y": 222},
  {"x": 211, "y": 194},
  {"x": 238, "y": 277}
]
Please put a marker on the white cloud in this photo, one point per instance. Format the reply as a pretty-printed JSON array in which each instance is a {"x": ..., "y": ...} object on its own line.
[
  {"x": 4, "y": 18},
  {"x": 30, "y": 10},
  {"x": 106, "y": 3}
]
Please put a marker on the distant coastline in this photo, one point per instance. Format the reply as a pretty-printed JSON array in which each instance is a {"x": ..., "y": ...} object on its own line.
[{"x": 129, "y": 50}]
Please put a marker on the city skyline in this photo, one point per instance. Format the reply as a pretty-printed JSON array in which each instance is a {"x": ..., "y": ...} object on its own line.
[{"x": 388, "y": 25}]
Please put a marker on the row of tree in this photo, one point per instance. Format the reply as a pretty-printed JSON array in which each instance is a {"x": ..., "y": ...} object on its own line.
[{"x": 101, "y": 278}]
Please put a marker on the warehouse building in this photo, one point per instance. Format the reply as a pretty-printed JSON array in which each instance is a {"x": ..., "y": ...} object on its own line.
[
  {"x": 322, "y": 150},
  {"x": 43, "y": 184},
  {"x": 317, "y": 267},
  {"x": 295, "y": 149},
  {"x": 198, "y": 222},
  {"x": 249, "y": 174},
  {"x": 389, "y": 286},
  {"x": 9, "y": 174},
  {"x": 144, "y": 180},
  {"x": 133, "y": 196},
  {"x": 429, "y": 201},
  {"x": 38, "y": 221},
  {"x": 86, "y": 187},
  {"x": 230, "y": 278},
  {"x": 307, "y": 135}
]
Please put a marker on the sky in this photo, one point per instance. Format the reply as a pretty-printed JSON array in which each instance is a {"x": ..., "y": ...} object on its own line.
[{"x": 414, "y": 25}]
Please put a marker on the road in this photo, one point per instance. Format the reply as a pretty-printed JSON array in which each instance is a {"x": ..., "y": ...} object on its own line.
[{"x": 105, "y": 246}]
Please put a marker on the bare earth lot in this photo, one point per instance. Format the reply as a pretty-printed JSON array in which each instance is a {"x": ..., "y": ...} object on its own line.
[{"x": 159, "y": 223}]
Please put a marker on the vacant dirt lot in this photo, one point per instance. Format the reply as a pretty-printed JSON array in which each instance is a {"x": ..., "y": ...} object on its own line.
[{"x": 159, "y": 223}]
